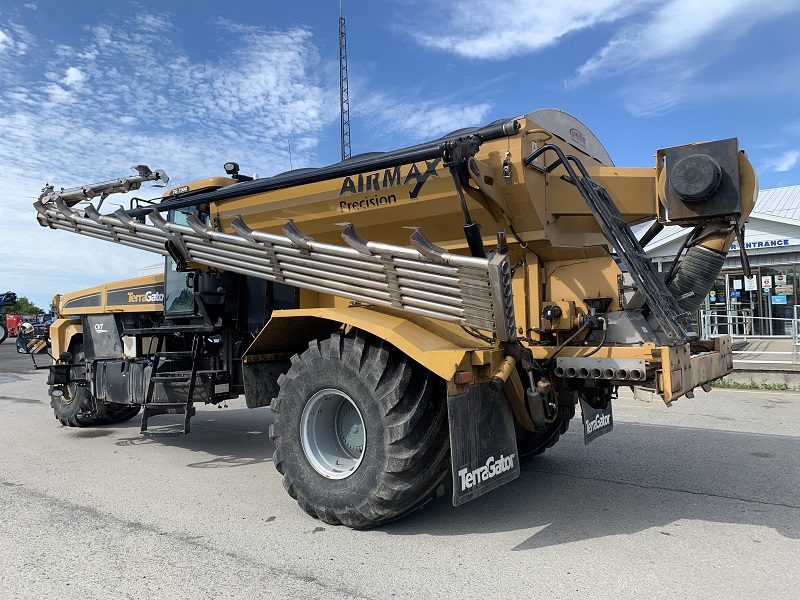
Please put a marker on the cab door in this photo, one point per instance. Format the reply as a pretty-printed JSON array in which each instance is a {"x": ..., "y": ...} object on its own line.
[{"x": 178, "y": 291}]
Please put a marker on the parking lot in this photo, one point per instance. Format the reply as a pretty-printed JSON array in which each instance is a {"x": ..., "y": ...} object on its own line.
[{"x": 697, "y": 500}]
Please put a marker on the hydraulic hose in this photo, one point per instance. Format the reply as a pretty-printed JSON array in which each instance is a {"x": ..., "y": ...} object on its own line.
[{"x": 696, "y": 273}]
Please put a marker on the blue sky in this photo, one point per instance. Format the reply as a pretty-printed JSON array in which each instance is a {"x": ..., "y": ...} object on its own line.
[{"x": 89, "y": 88}]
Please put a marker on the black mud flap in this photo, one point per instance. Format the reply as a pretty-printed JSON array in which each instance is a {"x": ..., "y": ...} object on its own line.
[
  {"x": 483, "y": 443},
  {"x": 596, "y": 421}
]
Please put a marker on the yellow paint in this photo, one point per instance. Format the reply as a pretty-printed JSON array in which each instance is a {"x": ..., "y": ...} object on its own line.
[
  {"x": 440, "y": 347},
  {"x": 62, "y": 332},
  {"x": 103, "y": 291}
]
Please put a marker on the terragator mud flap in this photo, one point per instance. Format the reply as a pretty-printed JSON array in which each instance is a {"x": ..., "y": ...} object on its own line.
[{"x": 483, "y": 444}]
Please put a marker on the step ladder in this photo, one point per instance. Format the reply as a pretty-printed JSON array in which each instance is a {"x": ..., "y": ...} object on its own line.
[
  {"x": 152, "y": 407},
  {"x": 660, "y": 301}
]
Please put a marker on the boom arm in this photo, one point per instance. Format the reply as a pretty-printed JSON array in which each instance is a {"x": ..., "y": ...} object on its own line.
[{"x": 424, "y": 280}]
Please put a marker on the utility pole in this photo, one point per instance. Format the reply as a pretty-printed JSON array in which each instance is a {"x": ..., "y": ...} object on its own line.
[{"x": 344, "y": 96}]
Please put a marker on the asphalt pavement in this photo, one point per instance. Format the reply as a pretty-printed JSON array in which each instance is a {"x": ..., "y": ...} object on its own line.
[{"x": 697, "y": 500}]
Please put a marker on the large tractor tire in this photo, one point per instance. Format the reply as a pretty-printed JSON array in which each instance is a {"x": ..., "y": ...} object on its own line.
[
  {"x": 119, "y": 413},
  {"x": 530, "y": 444},
  {"x": 360, "y": 431},
  {"x": 3, "y": 333},
  {"x": 73, "y": 408},
  {"x": 76, "y": 407}
]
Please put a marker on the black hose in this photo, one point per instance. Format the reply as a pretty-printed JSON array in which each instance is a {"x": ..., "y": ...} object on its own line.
[
  {"x": 352, "y": 166},
  {"x": 600, "y": 345},
  {"x": 654, "y": 230},
  {"x": 547, "y": 363},
  {"x": 695, "y": 276}
]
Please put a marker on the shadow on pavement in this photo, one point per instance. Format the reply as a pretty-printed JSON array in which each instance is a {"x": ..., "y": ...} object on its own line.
[
  {"x": 235, "y": 437},
  {"x": 641, "y": 477},
  {"x": 648, "y": 477}
]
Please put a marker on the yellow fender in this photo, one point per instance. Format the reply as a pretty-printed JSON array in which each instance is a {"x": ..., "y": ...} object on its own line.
[
  {"x": 438, "y": 346},
  {"x": 62, "y": 332}
]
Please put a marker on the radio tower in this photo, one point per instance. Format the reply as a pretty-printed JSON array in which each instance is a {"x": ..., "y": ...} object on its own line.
[{"x": 344, "y": 96}]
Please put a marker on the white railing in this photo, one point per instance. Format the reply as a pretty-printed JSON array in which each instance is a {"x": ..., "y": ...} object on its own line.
[{"x": 761, "y": 343}]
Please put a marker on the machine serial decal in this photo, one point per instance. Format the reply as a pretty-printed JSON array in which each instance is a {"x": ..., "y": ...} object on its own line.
[
  {"x": 381, "y": 180},
  {"x": 492, "y": 468}
]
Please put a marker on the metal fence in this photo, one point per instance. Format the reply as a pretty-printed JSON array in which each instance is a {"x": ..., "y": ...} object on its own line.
[{"x": 750, "y": 343}]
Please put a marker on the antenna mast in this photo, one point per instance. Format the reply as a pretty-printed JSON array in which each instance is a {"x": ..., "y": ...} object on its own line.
[{"x": 344, "y": 96}]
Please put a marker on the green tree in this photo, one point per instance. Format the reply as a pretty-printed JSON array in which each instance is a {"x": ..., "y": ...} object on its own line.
[{"x": 22, "y": 307}]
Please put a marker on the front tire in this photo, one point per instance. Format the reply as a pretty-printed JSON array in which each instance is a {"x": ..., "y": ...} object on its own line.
[
  {"x": 3, "y": 333},
  {"x": 73, "y": 408},
  {"x": 360, "y": 431},
  {"x": 76, "y": 407},
  {"x": 120, "y": 413}
]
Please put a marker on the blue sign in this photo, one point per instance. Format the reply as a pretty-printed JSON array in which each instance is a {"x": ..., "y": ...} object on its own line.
[
  {"x": 736, "y": 294},
  {"x": 779, "y": 299}
]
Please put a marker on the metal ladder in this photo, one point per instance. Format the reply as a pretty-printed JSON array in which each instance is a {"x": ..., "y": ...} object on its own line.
[
  {"x": 662, "y": 304},
  {"x": 151, "y": 408}
]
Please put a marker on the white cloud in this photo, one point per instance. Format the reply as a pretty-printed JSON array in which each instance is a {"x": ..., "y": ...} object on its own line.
[
  {"x": 30, "y": 5},
  {"x": 154, "y": 22},
  {"x": 785, "y": 162},
  {"x": 419, "y": 120},
  {"x": 685, "y": 28},
  {"x": 488, "y": 29},
  {"x": 73, "y": 77},
  {"x": 662, "y": 52},
  {"x": 663, "y": 59},
  {"x": 14, "y": 39}
]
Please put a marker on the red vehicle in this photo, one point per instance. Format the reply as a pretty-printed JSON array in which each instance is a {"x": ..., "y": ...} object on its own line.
[
  {"x": 12, "y": 324},
  {"x": 7, "y": 299}
]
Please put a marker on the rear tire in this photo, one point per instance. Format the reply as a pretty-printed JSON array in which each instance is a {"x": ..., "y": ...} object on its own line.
[
  {"x": 339, "y": 472},
  {"x": 3, "y": 333},
  {"x": 530, "y": 443},
  {"x": 533, "y": 443}
]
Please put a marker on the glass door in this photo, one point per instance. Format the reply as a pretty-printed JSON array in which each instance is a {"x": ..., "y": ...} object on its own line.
[
  {"x": 178, "y": 293},
  {"x": 778, "y": 298},
  {"x": 744, "y": 303}
]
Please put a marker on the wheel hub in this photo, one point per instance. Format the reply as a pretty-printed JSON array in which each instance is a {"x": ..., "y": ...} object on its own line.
[
  {"x": 333, "y": 434},
  {"x": 351, "y": 429}
]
